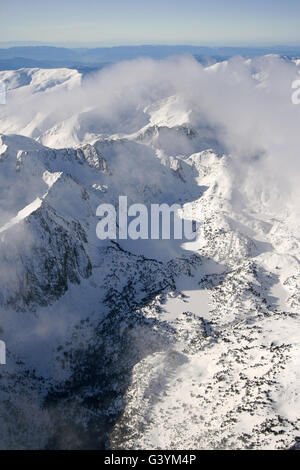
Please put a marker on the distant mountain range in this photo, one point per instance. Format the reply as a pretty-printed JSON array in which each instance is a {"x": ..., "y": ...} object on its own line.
[{"x": 13, "y": 58}]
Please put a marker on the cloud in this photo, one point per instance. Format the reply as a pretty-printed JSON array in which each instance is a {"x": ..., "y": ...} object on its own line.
[{"x": 248, "y": 103}]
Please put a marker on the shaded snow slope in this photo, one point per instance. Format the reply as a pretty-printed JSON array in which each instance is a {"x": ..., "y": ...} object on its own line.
[{"x": 146, "y": 344}]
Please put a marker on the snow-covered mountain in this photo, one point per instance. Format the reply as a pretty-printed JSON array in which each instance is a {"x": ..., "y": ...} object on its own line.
[{"x": 148, "y": 344}]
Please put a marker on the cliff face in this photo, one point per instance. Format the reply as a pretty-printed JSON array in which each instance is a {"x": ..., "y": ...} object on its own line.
[{"x": 146, "y": 344}]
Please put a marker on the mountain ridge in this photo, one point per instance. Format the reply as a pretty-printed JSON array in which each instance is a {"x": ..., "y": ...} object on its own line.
[{"x": 126, "y": 344}]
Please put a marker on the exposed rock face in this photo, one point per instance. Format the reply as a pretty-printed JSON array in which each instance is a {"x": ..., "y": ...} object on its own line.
[{"x": 117, "y": 344}]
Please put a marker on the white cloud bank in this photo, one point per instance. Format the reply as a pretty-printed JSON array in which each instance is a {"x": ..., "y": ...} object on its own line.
[{"x": 247, "y": 103}]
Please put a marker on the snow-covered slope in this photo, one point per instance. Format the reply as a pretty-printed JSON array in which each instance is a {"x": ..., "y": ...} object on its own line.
[
  {"x": 39, "y": 80},
  {"x": 146, "y": 344}
]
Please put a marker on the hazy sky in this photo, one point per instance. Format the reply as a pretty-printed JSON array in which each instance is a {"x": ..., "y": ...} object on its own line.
[{"x": 228, "y": 22}]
